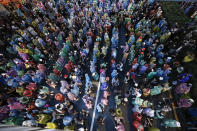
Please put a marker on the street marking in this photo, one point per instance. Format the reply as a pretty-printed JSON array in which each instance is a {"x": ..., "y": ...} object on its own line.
[{"x": 94, "y": 112}]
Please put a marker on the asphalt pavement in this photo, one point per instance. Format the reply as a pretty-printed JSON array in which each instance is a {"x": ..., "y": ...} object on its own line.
[{"x": 109, "y": 123}]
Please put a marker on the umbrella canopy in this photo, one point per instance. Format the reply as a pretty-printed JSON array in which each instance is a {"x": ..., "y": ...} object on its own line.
[
  {"x": 138, "y": 126},
  {"x": 67, "y": 120},
  {"x": 137, "y": 108},
  {"x": 137, "y": 101},
  {"x": 149, "y": 112},
  {"x": 156, "y": 90},
  {"x": 137, "y": 116}
]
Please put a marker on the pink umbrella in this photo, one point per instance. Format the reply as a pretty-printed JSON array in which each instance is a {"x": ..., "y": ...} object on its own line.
[
  {"x": 16, "y": 106},
  {"x": 104, "y": 101},
  {"x": 101, "y": 70}
]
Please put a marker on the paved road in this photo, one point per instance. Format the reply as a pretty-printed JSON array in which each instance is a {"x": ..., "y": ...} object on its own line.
[{"x": 109, "y": 123}]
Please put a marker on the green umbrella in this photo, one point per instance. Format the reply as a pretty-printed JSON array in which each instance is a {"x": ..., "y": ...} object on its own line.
[
  {"x": 20, "y": 73},
  {"x": 23, "y": 100},
  {"x": 13, "y": 121},
  {"x": 44, "y": 90},
  {"x": 156, "y": 90},
  {"x": 72, "y": 58},
  {"x": 59, "y": 68},
  {"x": 36, "y": 57},
  {"x": 53, "y": 77},
  {"x": 126, "y": 20},
  {"x": 151, "y": 75},
  {"x": 3, "y": 68},
  {"x": 10, "y": 64}
]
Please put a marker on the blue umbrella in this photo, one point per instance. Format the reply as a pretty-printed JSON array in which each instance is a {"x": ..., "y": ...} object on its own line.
[
  {"x": 27, "y": 78},
  {"x": 67, "y": 120},
  {"x": 104, "y": 86},
  {"x": 40, "y": 103}
]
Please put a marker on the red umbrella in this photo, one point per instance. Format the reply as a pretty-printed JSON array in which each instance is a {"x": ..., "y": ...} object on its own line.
[
  {"x": 56, "y": 72},
  {"x": 137, "y": 116},
  {"x": 28, "y": 93},
  {"x": 31, "y": 86},
  {"x": 59, "y": 97},
  {"x": 68, "y": 68},
  {"x": 138, "y": 126},
  {"x": 31, "y": 106}
]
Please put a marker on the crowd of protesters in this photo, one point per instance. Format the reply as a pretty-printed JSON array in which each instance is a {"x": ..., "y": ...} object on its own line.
[{"x": 55, "y": 49}]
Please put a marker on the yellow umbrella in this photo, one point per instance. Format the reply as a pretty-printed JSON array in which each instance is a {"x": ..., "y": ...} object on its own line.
[
  {"x": 51, "y": 125},
  {"x": 189, "y": 58},
  {"x": 118, "y": 112}
]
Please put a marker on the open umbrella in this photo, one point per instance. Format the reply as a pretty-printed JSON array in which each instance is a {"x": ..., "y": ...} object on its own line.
[
  {"x": 156, "y": 90},
  {"x": 183, "y": 88},
  {"x": 137, "y": 108},
  {"x": 67, "y": 120},
  {"x": 149, "y": 112},
  {"x": 137, "y": 101},
  {"x": 171, "y": 123},
  {"x": 138, "y": 126},
  {"x": 137, "y": 116}
]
